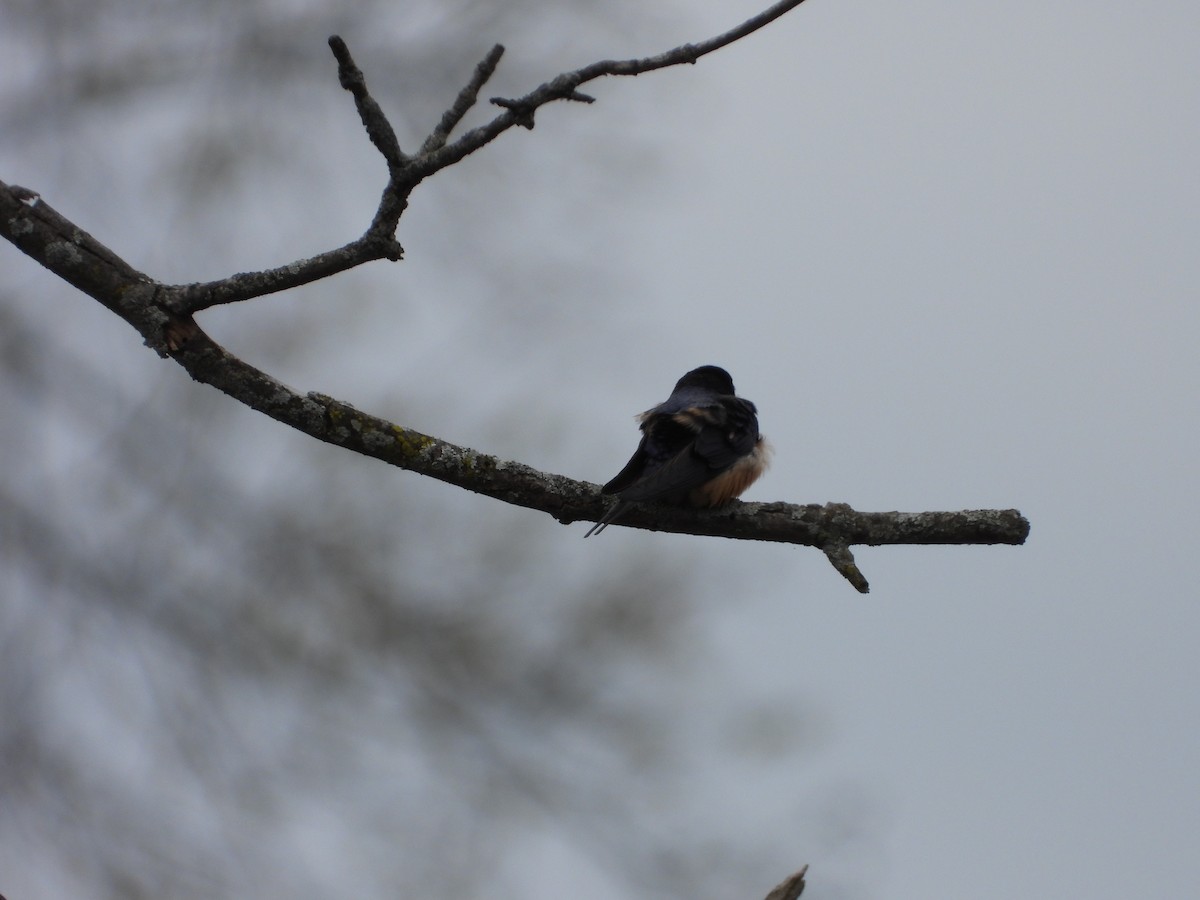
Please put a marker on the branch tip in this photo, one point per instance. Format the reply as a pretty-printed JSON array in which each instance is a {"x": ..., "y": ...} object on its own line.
[
  {"x": 349, "y": 74},
  {"x": 464, "y": 101},
  {"x": 839, "y": 555},
  {"x": 791, "y": 887},
  {"x": 379, "y": 129}
]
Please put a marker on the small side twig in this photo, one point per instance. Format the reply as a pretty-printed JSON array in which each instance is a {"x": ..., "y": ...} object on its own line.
[
  {"x": 186, "y": 299},
  {"x": 464, "y": 101},
  {"x": 839, "y": 555}
]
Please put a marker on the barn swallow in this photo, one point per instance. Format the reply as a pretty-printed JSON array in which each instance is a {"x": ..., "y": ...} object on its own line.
[{"x": 700, "y": 447}]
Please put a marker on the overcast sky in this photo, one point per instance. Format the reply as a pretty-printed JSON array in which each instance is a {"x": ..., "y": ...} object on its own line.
[
  {"x": 962, "y": 240},
  {"x": 950, "y": 250}
]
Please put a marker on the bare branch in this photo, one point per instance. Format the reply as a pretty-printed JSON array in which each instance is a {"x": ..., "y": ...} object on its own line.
[
  {"x": 185, "y": 299},
  {"x": 163, "y": 315},
  {"x": 520, "y": 111},
  {"x": 565, "y": 86},
  {"x": 405, "y": 172},
  {"x": 832, "y": 527}
]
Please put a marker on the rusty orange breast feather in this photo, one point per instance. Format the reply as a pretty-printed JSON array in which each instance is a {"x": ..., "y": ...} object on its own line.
[{"x": 735, "y": 480}]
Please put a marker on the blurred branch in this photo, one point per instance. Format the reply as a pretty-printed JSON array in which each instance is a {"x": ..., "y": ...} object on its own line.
[
  {"x": 163, "y": 315},
  {"x": 790, "y": 888}
]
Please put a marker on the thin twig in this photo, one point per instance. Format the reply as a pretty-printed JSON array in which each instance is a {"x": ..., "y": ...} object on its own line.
[
  {"x": 405, "y": 172},
  {"x": 464, "y": 101},
  {"x": 186, "y": 299},
  {"x": 790, "y": 888},
  {"x": 520, "y": 111},
  {"x": 379, "y": 129}
]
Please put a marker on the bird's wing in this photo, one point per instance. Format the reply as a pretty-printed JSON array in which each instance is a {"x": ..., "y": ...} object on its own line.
[
  {"x": 722, "y": 434},
  {"x": 682, "y": 447},
  {"x": 672, "y": 479},
  {"x": 732, "y": 436}
]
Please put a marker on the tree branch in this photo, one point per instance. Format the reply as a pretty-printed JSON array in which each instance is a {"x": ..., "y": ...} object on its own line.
[
  {"x": 163, "y": 315},
  {"x": 566, "y": 87},
  {"x": 405, "y": 172},
  {"x": 379, "y": 129}
]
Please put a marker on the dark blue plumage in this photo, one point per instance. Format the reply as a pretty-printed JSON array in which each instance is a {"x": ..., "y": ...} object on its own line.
[{"x": 700, "y": 447}]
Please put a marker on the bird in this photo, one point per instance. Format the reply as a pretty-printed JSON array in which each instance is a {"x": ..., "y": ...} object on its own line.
[{"x": 700, "y": 447}]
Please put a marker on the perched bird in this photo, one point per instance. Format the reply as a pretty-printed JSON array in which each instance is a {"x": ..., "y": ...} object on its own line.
[{"x": 700, "y": 447}]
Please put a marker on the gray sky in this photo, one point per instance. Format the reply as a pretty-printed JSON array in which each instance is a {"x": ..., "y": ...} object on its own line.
[
  {"x": 950, "y": 250},
  {"x": 963, "y": 238}
]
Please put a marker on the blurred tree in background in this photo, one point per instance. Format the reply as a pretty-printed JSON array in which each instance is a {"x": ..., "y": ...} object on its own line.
[{"x": 237, "y": 663}]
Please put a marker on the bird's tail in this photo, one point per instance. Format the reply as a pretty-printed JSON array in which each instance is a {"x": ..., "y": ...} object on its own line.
[{"x": 608, "y": 518}]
